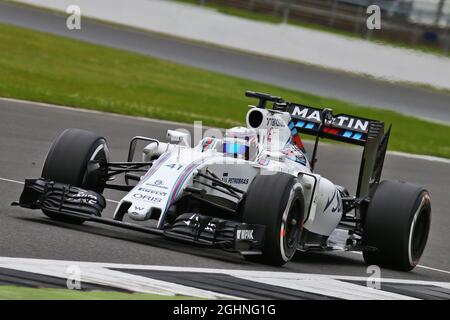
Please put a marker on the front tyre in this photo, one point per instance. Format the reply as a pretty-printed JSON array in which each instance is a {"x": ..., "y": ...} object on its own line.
[
  {"x": 67, "y": 162},
  {"x": 396, "y": 225},
  {"x": 275, "y": 201}
]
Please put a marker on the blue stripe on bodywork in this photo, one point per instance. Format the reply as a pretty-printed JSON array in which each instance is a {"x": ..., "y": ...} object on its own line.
[
  {"x": 300, "y": 124},
  {"x": 348, "y": 134},
  {"x": 357, "y": 136},
  {"x": 309, "y": 125},
  {"x": 178, "y": 187}
]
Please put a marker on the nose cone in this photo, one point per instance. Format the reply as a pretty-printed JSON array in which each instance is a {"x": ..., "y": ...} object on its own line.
[{"x": 139, "y": 211}]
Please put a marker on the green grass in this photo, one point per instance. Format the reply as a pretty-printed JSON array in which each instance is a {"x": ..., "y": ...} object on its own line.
[
  {"x": 375, "y": 37},
  {"x": 47, "y": 68},
  {"x": 21, "y": 293}
]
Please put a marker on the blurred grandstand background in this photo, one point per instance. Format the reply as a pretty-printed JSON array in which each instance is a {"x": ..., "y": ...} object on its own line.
[{"x": 412, "y": 22}]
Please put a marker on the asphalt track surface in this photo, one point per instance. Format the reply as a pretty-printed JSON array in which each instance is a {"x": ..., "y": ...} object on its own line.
[
  {"x": 26, "y": 133},
  {"x": 406, "y": 99}
]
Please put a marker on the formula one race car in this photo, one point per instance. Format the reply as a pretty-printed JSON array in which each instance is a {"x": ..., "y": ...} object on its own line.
[{"x": 252, "y": 191}]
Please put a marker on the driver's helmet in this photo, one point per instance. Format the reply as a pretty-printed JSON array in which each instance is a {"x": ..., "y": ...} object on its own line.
[{"x": 241, "y": 143}]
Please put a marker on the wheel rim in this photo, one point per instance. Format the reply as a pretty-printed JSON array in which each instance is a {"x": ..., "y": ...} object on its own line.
[
  {"x": 419, "y": 231},
  {"x": 291, "y": 220},
  {"x": 101, "y": 154},
  {"x": 292, "y": 225}
]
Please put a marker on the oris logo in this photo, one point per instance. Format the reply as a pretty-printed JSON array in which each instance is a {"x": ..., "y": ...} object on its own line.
[{"x": 147, "y": 198}]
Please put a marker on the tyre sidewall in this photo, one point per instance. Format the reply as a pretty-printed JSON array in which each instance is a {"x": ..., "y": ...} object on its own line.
[
  {"x": 67, "y": 162},
  {"x": 266, "y": 203},
  {"x": 388, "y": 224}
]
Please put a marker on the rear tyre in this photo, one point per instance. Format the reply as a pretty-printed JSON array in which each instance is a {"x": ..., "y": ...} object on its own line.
[
  {"x": 275, "y": 201},
  {"x": 67, "y": 162},
  {"x": 396, "y": 225}
]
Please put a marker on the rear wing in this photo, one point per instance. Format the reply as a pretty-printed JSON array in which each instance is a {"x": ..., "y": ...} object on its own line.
[
  {"x": 349, "y": 129},
  {"x": 341, "y": 127},
  {"x": 321, "y": 123}
]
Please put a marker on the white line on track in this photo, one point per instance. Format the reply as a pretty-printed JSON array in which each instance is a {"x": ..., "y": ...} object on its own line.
[
  {"x": 114, "y": 276},
  {"x": 418, "y": 157},
  {"x": 179, "y": 124},
  {"x": 279, "y": 278},
  {"x": 13, "y": 181},
  {"x": 356, "y": 252},
  {"x": 96, "y": 273},
  {"x": 418, "y": 266},
  {"x": 75, "y": 109},
  {"x": 433, "y": 269}
]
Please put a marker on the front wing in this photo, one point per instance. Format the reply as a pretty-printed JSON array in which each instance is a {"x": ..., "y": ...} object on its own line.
[{"x": 66, "y": 200}]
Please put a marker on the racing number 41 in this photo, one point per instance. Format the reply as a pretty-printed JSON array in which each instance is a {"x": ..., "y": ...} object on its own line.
[{"x": 175, "y": 166}]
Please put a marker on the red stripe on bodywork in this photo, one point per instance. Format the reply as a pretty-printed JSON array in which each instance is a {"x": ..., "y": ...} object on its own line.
[
  {"x": 333, "y": 131},
  {"x": 298, "y": 142}
]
